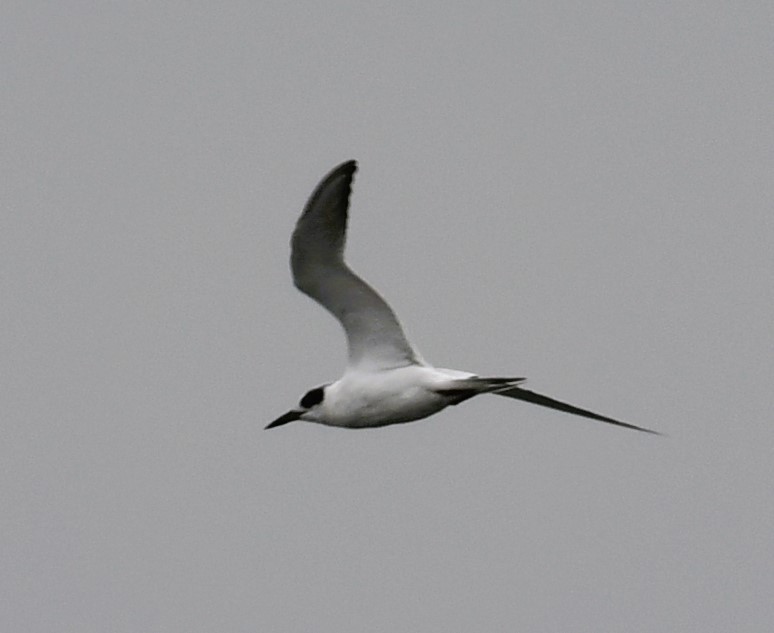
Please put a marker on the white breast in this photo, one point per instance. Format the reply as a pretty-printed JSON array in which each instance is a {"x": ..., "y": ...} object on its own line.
[{"x": 391, "y": 396}]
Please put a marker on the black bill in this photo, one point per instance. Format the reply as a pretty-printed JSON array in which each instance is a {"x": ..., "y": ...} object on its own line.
[{"x": 290, "y": 416}]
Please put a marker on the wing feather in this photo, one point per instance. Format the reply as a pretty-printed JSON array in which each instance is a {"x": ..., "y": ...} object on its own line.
[{"x": 374, "y": 336}]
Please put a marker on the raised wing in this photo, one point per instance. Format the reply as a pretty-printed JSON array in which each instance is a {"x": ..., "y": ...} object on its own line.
[
  {"x": 374, "y": 335},
  {"x": 545, "y": 401}
]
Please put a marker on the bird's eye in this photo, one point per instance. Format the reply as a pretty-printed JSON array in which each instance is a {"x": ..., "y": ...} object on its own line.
[{"x": 312, "y": 397}]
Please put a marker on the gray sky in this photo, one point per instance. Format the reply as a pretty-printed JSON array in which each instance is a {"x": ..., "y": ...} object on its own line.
[{"x": 580, "y": 193}]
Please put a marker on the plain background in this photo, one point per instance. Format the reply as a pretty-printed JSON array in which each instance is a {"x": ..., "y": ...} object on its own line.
[{"x": 580, "y": 193}]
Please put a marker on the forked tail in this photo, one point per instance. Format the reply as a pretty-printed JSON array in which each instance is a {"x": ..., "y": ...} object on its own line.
[
  {"x": 544, "y": 401},
  {"x": 464, "y": 388}
]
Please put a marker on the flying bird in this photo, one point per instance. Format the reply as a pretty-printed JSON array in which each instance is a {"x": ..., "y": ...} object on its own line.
[{"x": 386, "y": 380}]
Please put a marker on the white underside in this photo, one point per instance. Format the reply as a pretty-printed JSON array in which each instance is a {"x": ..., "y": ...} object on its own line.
[
  {"x": 362, "y": 399},
  {"x": 386, "y": 381}
]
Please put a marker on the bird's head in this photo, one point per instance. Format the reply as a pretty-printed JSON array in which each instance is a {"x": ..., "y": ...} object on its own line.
[{"x": 309, "y": 408}]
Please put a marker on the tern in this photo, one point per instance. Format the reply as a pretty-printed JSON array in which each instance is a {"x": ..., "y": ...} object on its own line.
[{"x": 386, "y": 381}]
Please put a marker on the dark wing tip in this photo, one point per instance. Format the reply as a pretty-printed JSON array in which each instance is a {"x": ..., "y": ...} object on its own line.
[
  {"x": 344, "y": 171},
  {"x": 321, "y": 230},
  {"x": 347, "y": 165},
  {"x": 347, "y": 168}
]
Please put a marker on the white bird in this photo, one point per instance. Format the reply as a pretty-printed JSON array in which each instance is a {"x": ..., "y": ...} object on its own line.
[{"x": 386, "y": 380}]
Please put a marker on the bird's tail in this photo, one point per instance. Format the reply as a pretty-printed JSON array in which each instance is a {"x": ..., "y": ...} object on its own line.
[
  {"x": 489, "y": 385},
  {"x": 461, "y": 389},
  {"x": 551, "y": 403}
]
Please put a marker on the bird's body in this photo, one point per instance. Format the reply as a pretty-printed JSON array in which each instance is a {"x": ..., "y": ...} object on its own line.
[
  {"x": 386, "y": 380},
  {"x": 361, "y": 399}
]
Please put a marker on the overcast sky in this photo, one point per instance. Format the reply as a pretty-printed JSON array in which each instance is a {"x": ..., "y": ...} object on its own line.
[{"x": 579, "y": 193}]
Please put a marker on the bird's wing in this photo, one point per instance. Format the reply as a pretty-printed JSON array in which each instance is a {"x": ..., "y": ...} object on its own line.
[
  {"x": 374, "y": 335},
  {"x": 545, "y": 401}
]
